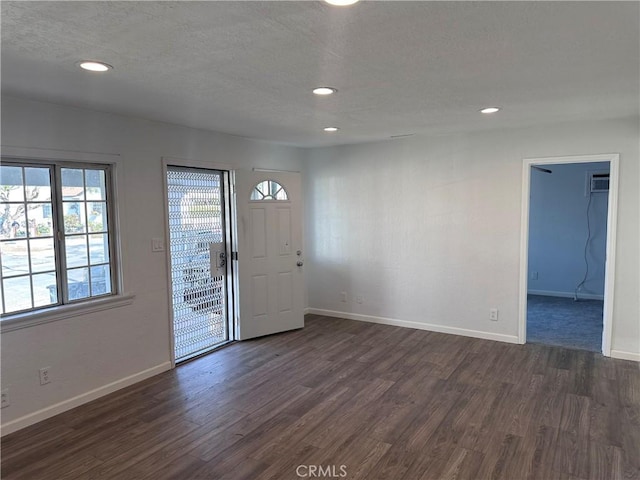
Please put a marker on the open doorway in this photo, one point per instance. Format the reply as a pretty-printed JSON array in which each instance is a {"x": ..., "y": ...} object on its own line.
[{"x": 566, "y": 289}]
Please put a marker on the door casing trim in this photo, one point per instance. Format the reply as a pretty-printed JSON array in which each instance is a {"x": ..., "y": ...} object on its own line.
[
  {"x": 186, "y": 163},
  {"x": 610, "y": 256}
]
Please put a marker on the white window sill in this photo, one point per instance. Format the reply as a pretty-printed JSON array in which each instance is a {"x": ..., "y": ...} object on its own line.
[{"x": 61, "y": 312}]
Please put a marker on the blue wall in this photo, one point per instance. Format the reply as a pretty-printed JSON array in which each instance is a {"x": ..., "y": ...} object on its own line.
[{"x": 558, "y": 231}]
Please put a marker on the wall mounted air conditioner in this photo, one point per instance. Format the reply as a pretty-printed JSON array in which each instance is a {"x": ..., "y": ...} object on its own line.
[{"x": 598, "y": 182}]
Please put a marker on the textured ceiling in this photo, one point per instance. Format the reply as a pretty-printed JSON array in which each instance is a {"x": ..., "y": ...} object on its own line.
[{"x": 247, "y": 68}]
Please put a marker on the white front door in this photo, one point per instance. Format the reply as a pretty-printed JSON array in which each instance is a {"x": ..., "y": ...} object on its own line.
[{"x": 270, "y": 257}]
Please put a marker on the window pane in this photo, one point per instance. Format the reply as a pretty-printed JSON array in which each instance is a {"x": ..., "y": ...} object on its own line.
[
  {"x": 72, "y": 184},
  {"x": 14, "y": 222},
  {"x": 43, "y": 257},
  {"x": 74, "y": 217},
  {"x": 100, "y": 280},
  {"x": 52, "y": 288},
  {"x": 96, "y": 185},
  {"x": 78, "y": 283},
  {"x": 47, "y": 210},
  {"x": 17, "y": 293},
  {"x": 38, "y": 182},
  {"x": 11, "y": 186},
  {"x": 15, "y": 258},
  {"x": 97, "y": 212},
  {"x": 99, "y": 248},
  {"x": 76, "y": 251},
  {"x": 268, "y": 190},
  {"x": 40, "y": 221},
  {"x": 45, "y": 291}
]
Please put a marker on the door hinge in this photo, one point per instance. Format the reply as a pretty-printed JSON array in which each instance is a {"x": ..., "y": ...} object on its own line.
[{"x": 234, "y": 255}]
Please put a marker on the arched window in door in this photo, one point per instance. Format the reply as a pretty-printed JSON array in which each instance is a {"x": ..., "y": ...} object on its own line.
[{"x": 269, "y": 190}]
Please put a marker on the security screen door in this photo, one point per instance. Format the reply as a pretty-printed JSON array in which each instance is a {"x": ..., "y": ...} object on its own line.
[{"x": 198, "y": 240}]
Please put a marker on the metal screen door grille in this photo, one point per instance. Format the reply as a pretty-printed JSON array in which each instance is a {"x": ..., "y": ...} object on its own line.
[{"x": 196, "y": 220}]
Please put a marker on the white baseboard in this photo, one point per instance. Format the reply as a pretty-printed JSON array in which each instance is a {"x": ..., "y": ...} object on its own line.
[
  {"x": 81, "y": 399},
  {"x": 417, "y": 325},
  {"x": 625, "y": 355},
  {"x": 549, "y": 293}
]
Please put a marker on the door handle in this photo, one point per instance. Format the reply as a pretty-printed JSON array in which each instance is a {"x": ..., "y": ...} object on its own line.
[
  {"x": 221, "y": 259},
  {"x": 217, "y": 258}
]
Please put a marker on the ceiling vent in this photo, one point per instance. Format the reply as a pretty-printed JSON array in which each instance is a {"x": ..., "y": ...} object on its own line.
[{"x": 599, "y": 182}]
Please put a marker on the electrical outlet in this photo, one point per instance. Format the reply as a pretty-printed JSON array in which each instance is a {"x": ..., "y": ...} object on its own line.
[
  {"x": 5, "y": 398},
  {"x": 534, "y": 276},
  {"x": 359, "y": 299},
  {"x": 493, "y": 314},
  {"x": 343, "y": 296},
  {"x": 45, "y": 375}
]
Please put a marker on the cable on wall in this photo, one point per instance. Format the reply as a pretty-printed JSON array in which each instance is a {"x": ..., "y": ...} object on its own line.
[{"x": 586, "y": 245}]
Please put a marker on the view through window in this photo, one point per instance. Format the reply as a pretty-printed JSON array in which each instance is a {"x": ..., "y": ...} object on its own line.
[{"x": 55, "y": 234}]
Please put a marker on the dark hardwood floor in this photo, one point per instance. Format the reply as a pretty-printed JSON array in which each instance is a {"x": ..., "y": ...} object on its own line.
[{"x": 384, "y": 402}]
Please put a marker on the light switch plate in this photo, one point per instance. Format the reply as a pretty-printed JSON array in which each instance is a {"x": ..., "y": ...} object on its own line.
[{"x": 157, "y": 245}]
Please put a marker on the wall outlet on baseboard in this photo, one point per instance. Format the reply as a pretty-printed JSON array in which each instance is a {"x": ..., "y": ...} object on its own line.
[
  {"x": 533, "y": 276},
  {"x": 359, "y": 299},
  {"x": 5, "y": 398},
  {"x": 493, "y": 314},
  {"x": 343, "y": 296}
]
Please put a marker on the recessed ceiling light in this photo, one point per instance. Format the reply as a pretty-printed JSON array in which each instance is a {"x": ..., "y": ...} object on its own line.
[
  {"x": 490, "y": 110},
  {"x": 94, "y": 66},
  {"x": 331, "y": 129},
  {"x": 324, "y": 91},
  {"x": 341, "y": 3}
]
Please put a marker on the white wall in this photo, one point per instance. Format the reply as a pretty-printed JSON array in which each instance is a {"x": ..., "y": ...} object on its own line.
[
  {"x": 91, "y": 351},
  {"x": 558, "y": 231},
  {"x": 427, "y": 230}
]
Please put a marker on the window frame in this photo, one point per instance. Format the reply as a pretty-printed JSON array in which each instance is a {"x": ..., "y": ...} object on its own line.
[{"x": 64, "y": 304}]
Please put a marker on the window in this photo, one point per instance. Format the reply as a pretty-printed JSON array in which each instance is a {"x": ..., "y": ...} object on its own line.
[
  {"x": 56, "y": 237},
  {"x": 269, "y": 190}
]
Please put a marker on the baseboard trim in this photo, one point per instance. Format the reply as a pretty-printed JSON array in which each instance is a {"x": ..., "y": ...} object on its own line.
[
  {"x": 43, "y": 414},
  {"x": 635, "y": 357},
  {"x": 548, "y": 293},
  {"x": 416, "y": 325}
]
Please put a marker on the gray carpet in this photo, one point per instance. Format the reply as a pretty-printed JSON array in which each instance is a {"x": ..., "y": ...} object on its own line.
[{"x": 564, "y": 322}]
